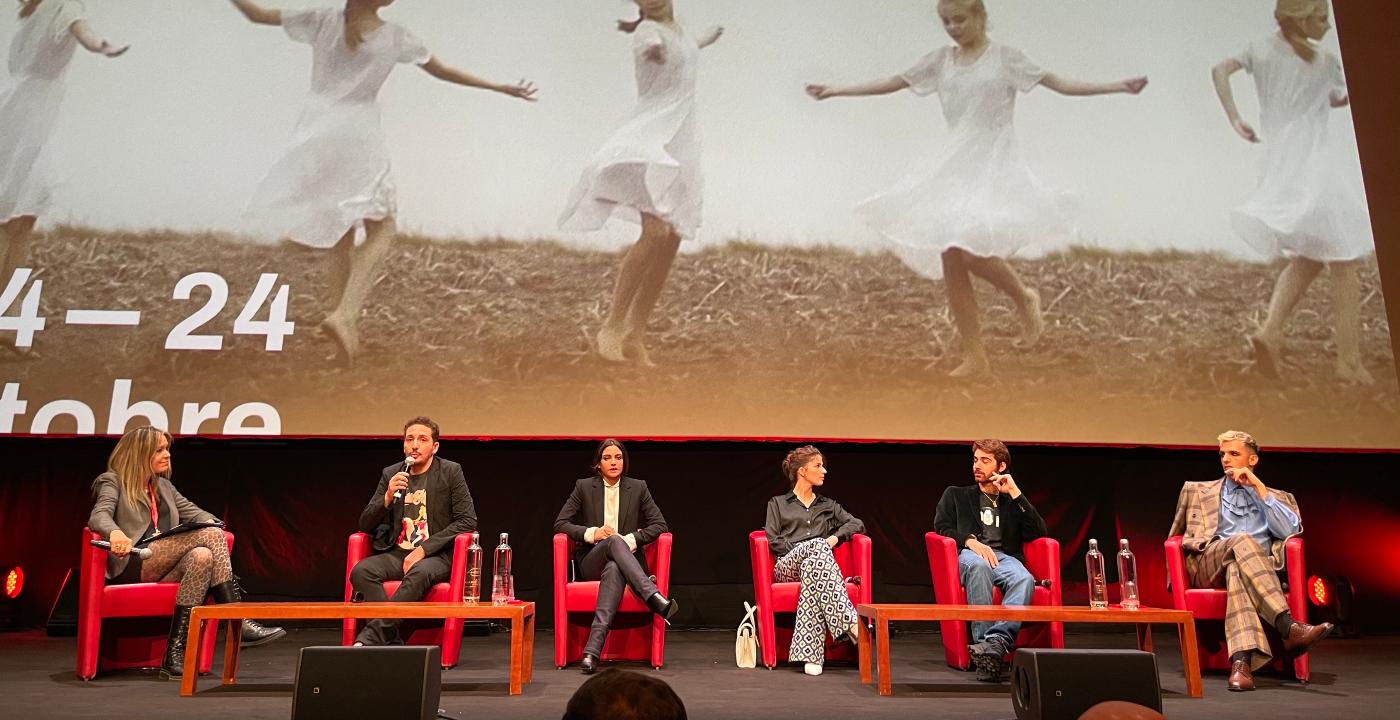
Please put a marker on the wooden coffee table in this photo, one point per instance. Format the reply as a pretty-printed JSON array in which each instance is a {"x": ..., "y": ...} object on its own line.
[
  {"x": 520, "y": 615},
  {"x": 883, "y": 613}
]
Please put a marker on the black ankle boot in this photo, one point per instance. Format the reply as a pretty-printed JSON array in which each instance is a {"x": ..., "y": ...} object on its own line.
[
  {"x": 254, "y": 632},
  {"x": 172, "y": 667},
  {"x": 589, "y": 664},
  {"x": 663, "y": 607}
]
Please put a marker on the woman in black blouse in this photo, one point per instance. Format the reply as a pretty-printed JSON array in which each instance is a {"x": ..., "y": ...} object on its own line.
[{"x": 802, "y": 528}]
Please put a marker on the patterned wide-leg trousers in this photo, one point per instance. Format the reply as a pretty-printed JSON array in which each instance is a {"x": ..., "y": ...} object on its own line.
[
  {"x": 822, "y": 603},
  {"x": 197, "y": 559},
  {"x": 1239, "y": 565}
]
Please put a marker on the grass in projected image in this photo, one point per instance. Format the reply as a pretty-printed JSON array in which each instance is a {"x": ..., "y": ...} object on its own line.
[{"x": 493, "y": 337}]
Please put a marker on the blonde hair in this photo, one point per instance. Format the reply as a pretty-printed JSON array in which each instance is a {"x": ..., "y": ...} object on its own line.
[
  {"x": 130, "y": 461},
  {"x": 27, "y": 7},
  {"x": 1290, "y": 15},
  {"x": 1244, "y": 437},
  {"x": 976, "y": 7}
]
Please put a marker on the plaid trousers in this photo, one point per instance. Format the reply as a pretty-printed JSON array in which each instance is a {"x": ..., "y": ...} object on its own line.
[
  {"x": 822, "y": 603},
  {"x": 1239, "y": 565}
]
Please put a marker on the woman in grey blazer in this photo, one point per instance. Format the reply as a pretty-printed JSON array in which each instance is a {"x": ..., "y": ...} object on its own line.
[{"x": 134, "y": 499}]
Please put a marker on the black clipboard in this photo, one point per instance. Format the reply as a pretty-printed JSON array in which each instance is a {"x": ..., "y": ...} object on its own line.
[{"x": 178, "y": 529}]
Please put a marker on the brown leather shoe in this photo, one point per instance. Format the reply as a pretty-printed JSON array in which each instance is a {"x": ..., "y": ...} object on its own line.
[
  {"x": 1241, "y": 677},
  {"x": 1301, "y": 637}
]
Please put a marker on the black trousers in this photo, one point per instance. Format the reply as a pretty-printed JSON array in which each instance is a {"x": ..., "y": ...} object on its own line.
[
  {"x": 613, "y": 565},
  {"x": 368, "y": 576}
]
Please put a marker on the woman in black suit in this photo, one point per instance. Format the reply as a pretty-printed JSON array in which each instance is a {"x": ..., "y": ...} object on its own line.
[{"x": 610, "y": 518}]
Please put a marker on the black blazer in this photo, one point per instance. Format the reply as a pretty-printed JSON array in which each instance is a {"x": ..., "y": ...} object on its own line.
[
  {"x": 637, "y": 514},
  {"x": 957, "y": 518},
  {"x": 450, "y": 509}
]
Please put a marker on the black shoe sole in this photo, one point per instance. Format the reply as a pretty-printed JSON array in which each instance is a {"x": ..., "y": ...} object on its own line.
[{"x": 264, "y": 639}]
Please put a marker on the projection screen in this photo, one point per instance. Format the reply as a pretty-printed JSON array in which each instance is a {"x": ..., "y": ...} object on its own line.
[{"x": 812, "y": 295}]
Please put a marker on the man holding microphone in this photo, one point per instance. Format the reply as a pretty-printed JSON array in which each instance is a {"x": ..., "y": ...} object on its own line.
[
  {"x": 418, "y": 508},
  {"x": 990, "y": 521}
]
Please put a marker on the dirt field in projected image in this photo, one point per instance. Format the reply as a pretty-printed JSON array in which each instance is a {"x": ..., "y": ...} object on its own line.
[{"x": 493, "y": 338}]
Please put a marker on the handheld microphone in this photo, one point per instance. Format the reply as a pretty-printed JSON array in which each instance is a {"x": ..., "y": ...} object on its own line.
[
  {"x": 407, "y": 465},
  {"x": 143, "y": 553}
]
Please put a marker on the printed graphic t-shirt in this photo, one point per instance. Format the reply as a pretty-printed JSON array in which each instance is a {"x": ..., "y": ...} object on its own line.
[
  {"x": 991, "y": 522},
  {"x": 414, "y": 528}
]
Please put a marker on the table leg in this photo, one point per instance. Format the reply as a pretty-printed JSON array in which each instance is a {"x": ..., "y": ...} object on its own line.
[
  {"x": 191, "y": 676},
  {"x": 231, "y": 645},
  {"x": 1190, "y": 657},
  {"x": 517, "y": 653},
  {"x": 882, "y": 650},
  {"x": 1144, "y": 637},
  {"x": 863, "y": 638},
  {"x": 529, "y": 648}
]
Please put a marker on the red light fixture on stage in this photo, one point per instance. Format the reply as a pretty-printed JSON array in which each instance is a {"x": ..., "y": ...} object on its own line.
[
  {"x": 1318, "y": 592},
  {"x": 14, "y": 582}
]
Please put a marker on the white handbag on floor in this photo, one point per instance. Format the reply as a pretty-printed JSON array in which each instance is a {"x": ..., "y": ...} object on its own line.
[{"x": 746, "y": 640}]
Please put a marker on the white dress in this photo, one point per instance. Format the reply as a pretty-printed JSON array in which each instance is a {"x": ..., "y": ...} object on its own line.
[
  {"x": 978, "y": 195},
  {"x": 652, "y": 163},
  {"x": 39, "y": 58},
  {"x": 334, "y": 172},
  {"x": 1310, "y": 200}
]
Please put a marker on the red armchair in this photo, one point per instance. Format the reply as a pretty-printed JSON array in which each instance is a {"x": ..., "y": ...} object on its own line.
[
  {"x": 636, "y": 633},
  {"x": 1209, "y": 604},
  {"x": 774, "y": 597},
  {"x": 129, "y": 642},
  {"x": 1042, "y": 560},
  {"x": 449, "y": 634}
]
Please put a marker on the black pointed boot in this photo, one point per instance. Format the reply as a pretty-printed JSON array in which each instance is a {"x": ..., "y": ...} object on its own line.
[
  {"x": 254, "y": 632},
  {"x": 663, "y": 607},
  {"x": 172, "y": 667}
]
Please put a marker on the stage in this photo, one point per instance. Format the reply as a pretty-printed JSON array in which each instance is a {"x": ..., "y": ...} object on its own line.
[{"x": 1349, "y": 680}]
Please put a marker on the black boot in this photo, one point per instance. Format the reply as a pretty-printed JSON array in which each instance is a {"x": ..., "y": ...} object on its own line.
[
  {"x": 663, "y": 607},
  {"x": 172, "y": 667},
  {"x": 254, "y": 632}
]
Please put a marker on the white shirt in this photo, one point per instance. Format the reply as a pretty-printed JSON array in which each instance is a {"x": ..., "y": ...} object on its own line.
[{"x": 612, "y": 493}]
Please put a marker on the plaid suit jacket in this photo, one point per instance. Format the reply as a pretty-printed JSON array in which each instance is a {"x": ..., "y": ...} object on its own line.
[{"x": 1198, "y": 517}]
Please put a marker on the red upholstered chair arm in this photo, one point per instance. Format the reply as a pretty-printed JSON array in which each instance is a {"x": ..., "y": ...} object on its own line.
[
  {"x": 662, "y": 566},
  {"x": 1176, "y": 572},
  {"x": 861, "y": 552},
  {"x": 92, "y": 577},
  {"x": 1043, "y": 562},
  {"x": 457, "y": 579},
  {"x": 762, "y": 563},
  {"x": 356, "y": 549},
  {"x": 563, "y": 548},
  {"x": 943, "y": 568},
  {"x": 1297, "y": 578}
]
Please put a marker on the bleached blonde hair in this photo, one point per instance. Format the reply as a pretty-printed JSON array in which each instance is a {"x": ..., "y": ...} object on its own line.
[
  {"x": 131, "y": 461},
  {"x": 1244, "y": 437},
  {"x": 1290, "y": 15}
]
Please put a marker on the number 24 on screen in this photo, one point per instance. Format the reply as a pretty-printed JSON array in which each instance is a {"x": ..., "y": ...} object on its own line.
[{"x": 183, "y": 336}]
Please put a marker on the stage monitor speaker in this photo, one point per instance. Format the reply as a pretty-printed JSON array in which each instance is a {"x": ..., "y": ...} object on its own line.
[
  {"x": 397, "y": 681},
  {"x": 63, "y": 616},
  {"x": 1062, "y": 684}
]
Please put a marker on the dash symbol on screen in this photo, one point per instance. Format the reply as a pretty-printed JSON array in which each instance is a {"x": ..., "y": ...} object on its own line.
[{"x": 103, "y": 317}]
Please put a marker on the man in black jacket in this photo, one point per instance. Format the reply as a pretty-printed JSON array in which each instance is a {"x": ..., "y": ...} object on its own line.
[
  {"x": 418, "y": 509},
  {"x": 989, "y": 521}
]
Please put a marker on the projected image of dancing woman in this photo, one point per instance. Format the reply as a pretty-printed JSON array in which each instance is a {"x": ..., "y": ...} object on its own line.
[
  {"x": 333, "y": 176},
  {"x": 648, "y": 172},
  {"x": 1309, "y": 206},
  {"x": 49, "y": 31},
  {"x": 979, "y": 203}
]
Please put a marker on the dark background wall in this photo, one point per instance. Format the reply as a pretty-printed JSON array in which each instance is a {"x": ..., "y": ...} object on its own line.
[{"x": 292, "y": 504}]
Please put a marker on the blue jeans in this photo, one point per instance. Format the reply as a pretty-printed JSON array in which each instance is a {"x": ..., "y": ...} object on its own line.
[{"x": 978, "y": 578}]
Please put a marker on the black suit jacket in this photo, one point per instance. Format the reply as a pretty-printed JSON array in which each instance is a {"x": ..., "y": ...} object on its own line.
[
  {"x": 637, "y": 514},
  {"x": 450, "y": 509},
  {"x": 957, "y": 518}
]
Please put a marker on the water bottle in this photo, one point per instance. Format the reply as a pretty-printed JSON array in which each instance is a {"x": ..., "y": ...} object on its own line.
[
  {"x": 1093, "y": 563},
  {"x": 500, "y": 578},
  {"x": 471, "y": 590},
  {"x": 1127, "y": 577}
]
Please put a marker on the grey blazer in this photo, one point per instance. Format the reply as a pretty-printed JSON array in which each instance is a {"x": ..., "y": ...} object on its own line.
[{"x": 111, "y": 511}]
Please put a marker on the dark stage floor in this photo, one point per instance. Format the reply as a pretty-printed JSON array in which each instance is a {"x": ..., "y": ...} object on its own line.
[{"x": 37, "y": 681}]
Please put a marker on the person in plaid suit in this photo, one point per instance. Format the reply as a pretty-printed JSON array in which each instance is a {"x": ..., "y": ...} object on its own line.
[{"x": 1233, "y": 531}]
